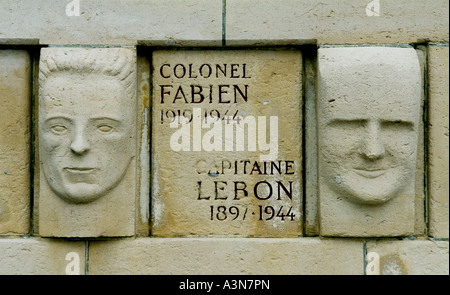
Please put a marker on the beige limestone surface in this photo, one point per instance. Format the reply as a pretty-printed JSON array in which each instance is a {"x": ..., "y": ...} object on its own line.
[
  {"x": 438, "y": 144},
  {"x": 38, "y": 256},
  {"x": 15, "y": 112},
  {"x": 167, "y": 179},
  {"x": 411, "y": 257},
  {"x": 87, "y": 142},
  {"x": 336, "y": 21},
  {"x": 144, "y": 131},
  {"x": 206, "y": 22},
  {"x": 231, "y": 256},
  {"x": 231, "y": 161},
  {"x": 369, "y": 106},
  {"x": 111, "y": 22}
]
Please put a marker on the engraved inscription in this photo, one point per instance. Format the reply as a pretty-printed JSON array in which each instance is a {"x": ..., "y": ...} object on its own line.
[{"x": 225, "y": 163}]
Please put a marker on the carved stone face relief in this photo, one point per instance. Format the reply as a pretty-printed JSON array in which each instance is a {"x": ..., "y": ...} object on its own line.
[
  {"x": 86, "y": 124},
  {"x": 369, "y": 116}
]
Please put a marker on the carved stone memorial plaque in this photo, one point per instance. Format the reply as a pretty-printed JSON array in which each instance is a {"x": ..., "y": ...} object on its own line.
[
  {"x": 369, "y": 102},
  {"x": 226, "y": 143},
  {"x": 87, "y": 131}
]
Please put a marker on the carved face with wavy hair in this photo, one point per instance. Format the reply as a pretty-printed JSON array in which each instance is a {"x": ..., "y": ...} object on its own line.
[{"x": 86, "y": 120}]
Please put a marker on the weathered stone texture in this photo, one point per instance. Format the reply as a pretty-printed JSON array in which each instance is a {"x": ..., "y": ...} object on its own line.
[
  {"x": 335, "y": 22},
  {"x": 438, "y": 143},
  {"x": 109, "y": 22},
  {"x": 206, "y": 182},
  {"x": 15, "y": 112},
  {"x": 235, "y": 256},
  {"x": 37, "y": 256},
  {"x": 411, "y": 257},
  {"x": 144, "y": 119},
  {"x": 200, "y": 22}
]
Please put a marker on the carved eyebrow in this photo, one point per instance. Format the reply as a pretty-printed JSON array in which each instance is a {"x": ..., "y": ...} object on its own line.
[
  {"x": 59, "y": 117},
  {"x": 117, "y": 120},
  {"x": 347, "y": 121},
  {"x": 400, "y": 122},
  {"x": 359, "y": 121}
]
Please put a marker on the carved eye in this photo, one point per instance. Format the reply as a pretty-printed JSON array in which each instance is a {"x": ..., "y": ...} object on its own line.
[
  {"x": 398, "y": 125},
  {"x": 58, "y": 129},
  {"x": 104, "y": 128}
]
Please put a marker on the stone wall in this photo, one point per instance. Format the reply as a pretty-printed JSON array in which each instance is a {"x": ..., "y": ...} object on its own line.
[{"x": 224, "y": 137}]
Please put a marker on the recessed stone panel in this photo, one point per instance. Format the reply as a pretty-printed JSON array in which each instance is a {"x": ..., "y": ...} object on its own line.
[
  {"x": 15, "y": 112},
  {"x": 87, "y": 142},
  {"x": 226, "y": 142},
  {"x": 369, "y": 102}
]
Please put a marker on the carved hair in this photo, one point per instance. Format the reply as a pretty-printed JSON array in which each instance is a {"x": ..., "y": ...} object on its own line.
[{"x": 118, "y": 63}]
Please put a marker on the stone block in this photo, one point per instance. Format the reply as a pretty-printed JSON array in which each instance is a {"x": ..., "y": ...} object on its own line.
[
  {"x": 144, "y": 120},
  {"x": 249, "y": 22},
  {"x": 369, "y": 106},
  {"x": 311, "y": 180},
  {"x": 219, "y": 256},
  {"x": 37, "y": 256},
  {"x": 15, "y": 112},
  {"x": 226, "y": 143},
  {"x": 438, "y": 144},
  {"x": 87, "y": 142},
  {"x": 112, "y": 22},
  {"x": 420, "y": 183},
  {"x": 410, "y": 257}
]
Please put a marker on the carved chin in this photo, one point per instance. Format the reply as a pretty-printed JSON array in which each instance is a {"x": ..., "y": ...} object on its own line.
[
  {"x": 369, "y": 191},
  {"x": 369, "y": 198},
  {"x": 366, "y": 194},
  {"x": 82, "y": 192},
  {"x": 78, "y": 188}
]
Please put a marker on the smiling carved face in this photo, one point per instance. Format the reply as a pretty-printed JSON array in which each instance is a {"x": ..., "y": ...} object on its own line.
[
  {"x": 368, "y": 135},
  {"x": 86, "y": 135}
]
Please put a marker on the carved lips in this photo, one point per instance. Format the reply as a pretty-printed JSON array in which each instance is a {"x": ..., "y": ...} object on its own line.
[
  {"x": 370, "y": 172},
  {"x": 79, "y": 170},
  {"x": 80, "y": 174}
]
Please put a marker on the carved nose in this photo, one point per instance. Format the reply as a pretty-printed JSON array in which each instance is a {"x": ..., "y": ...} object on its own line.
[
  {"x": 373, "y": 146},
  {"x": 80, "y": 144}
]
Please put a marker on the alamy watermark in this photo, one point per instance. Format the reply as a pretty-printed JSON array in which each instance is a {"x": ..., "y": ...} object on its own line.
[
  {"x": 73, "y": 8},
  {"x": 373, "y": 263},
  {"x": 230, "y": 134},
  {"x": 373, "y": 8},
  {"x": 73, "y": 267}
]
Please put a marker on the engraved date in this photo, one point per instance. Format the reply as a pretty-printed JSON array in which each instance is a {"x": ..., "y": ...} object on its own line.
[{"x": 264, "y": 213}]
